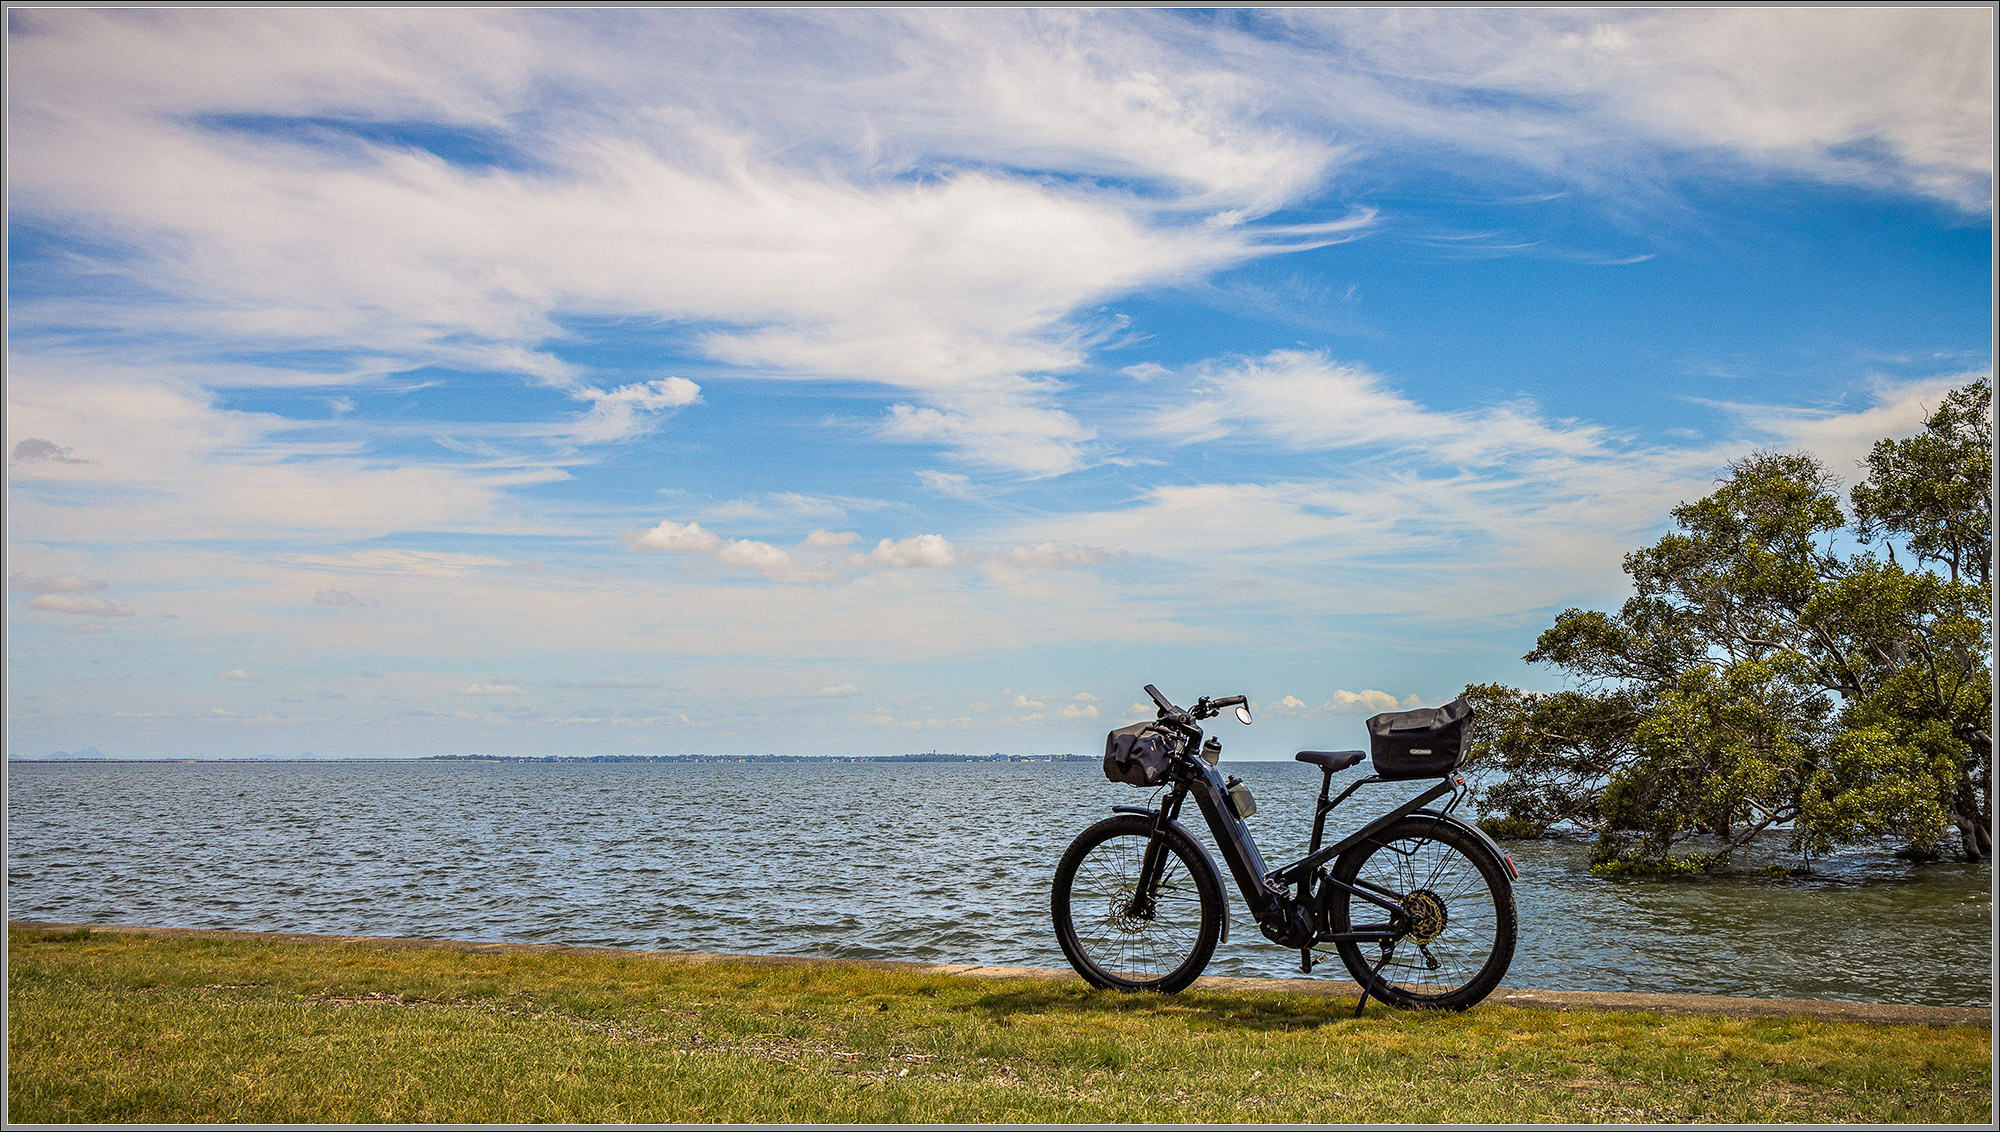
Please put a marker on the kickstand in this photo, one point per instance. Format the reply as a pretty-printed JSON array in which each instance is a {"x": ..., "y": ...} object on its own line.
[{"x": 1387, "y": 954}]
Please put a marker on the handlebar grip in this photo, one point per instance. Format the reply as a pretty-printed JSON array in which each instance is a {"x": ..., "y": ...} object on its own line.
[
  {"x": 1230, "y": 701},
  {"x": 1160, "y": 699}
]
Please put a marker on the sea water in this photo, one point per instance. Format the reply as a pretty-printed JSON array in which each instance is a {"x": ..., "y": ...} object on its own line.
[{"x": 942, "y": 862}]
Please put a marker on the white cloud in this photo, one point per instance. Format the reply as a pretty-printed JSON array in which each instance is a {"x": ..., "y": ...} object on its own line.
[
  {"x": 1023, "y": 703},
  {"x": 949, "y": 484},
  {"x": 237, "y": 674},
  {"x": 917, "y": 551},
  {"x": 53, "y": 583},
  {"x": 1309, "y": 401},
  {"x": 759, "y": 556},
  {"x": 1050, "y": 556},
  {"x": 788, "y": 507},
  {"x": 883, "y": 717},
  {"x": 1842, "y": 436},
  {"x": 414, "y": 563},
  {"x": 690, "y": 538},
  {"x": 630, "y": 410},
  {"x": 1495, "y": 509},
  {"x": 1290, "y": 705},
  {"x": 671, "y": 537},
  {"x": 1368, "y": 699},
  {"x": 169, "y": 464},
  {"x": 1084, "y": 698},
  {"x": 1007, "y": 431},
  {"x": 783, "y": 214},
  {"x": 1899, "y": 97},
  {"x": 490, "y": 689},
  {"x": 34, "y": 448},
  {"x": 1077, "y": 711},
  {"x": 830, "y": 540},
  {"x": 81, "y": 604},
  {"x": 343, "y": 599},
  {"x": 838, "y": 691},
  {"x": 605, "y": 682},
  {"x": 961, "y": 287}
]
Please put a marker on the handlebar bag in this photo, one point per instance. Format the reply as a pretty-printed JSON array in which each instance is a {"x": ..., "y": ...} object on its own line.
[
  {"x": 1425, "y": 743},
  {"x": 1137, "y": 755}
]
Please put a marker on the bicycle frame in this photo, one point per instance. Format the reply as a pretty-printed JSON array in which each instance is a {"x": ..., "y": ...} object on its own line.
[
  {"x": 1413, "y": 874},
  {"x": 1282, "y": 917}
]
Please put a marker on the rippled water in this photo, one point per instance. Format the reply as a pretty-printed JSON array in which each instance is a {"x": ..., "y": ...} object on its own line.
[{"x": 929, "y": 861}]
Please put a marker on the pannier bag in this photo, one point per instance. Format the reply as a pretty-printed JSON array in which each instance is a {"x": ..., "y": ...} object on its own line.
[
  {"x": 1137, "y": 755},
  {"x": 1425, "y": 743}
]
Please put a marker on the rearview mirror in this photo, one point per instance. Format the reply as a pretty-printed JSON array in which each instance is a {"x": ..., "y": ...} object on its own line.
[{"x": 1242, "y": 713}]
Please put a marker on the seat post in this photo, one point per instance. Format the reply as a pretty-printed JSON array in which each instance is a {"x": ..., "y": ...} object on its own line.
[{"x": 1324, "y": 808}]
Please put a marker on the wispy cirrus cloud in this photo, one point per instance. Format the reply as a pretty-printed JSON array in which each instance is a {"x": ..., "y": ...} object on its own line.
[
  {"x": 1309, "y": 401},
  {"x": 932, "y": 209},
  {"x": 1431, "y": 509},
  {"x": 1900, "y": 98},
  {"x": 958, "y": 288}
]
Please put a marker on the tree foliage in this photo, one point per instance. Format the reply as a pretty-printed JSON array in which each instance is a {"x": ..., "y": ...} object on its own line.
[{"x": 1762, "y": 677}]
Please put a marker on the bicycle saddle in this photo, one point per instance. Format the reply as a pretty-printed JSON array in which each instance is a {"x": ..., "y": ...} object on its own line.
[{"x": 1331, "y": 761}]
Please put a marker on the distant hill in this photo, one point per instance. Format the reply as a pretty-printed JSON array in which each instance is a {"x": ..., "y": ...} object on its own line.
[{"x": 86, "y": 753}]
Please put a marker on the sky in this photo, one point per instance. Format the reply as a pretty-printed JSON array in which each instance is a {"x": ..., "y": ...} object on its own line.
[{"x": 388, "y": 383}]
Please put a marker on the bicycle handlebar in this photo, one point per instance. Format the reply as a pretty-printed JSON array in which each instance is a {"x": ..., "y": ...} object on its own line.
[{"x": 1203, "y": 708}]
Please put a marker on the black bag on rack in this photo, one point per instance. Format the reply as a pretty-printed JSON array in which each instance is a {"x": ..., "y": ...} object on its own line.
[
  {"x": 1137, "y": 755},
  {"x": 1425, "y": 743}
]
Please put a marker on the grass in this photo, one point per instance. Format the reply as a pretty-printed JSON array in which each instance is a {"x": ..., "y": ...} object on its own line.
[{"x": 121, "y": 1027}]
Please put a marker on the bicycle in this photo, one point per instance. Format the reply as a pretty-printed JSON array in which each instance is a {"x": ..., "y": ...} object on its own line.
[{"x": 1139, "y": 905}]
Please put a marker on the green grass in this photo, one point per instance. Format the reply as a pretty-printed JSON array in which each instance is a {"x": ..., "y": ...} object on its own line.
[{"x": 121, "y": 1027}]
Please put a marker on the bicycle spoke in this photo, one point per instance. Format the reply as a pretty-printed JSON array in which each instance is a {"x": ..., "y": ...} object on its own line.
[
  {"x": 1470, "y": 944},
  {"x": 1124, "y": 934}
]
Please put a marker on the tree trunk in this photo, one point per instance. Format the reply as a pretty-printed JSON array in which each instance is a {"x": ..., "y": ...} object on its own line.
[{"x": 1974, "y": 834}]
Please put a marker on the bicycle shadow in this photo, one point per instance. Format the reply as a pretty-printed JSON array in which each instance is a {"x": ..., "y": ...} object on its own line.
[{"x": 1223, "y": 1009}]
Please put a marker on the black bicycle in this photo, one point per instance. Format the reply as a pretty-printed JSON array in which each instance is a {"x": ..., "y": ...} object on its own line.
[{"x": 1418, "y": 904}]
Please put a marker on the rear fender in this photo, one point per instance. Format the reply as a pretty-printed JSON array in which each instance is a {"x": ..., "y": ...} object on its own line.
[{"x": 1493, "y": 847}]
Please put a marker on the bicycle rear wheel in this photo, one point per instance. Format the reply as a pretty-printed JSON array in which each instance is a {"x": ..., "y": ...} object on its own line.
[
  {"x": 1120, "y": 938},
  {"x": 1457, "y": 905}
]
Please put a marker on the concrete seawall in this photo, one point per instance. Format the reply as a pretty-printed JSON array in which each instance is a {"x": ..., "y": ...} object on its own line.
[{"x": 1726, "y": 1006}]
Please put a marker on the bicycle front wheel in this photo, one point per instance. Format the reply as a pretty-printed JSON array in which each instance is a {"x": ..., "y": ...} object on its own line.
[
  {"x": 1457, "y": 908},
  {"x": 1120, "y": 937}
]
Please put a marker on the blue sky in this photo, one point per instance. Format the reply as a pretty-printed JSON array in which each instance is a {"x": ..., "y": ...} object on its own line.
[{"x": 388, "y": 383}]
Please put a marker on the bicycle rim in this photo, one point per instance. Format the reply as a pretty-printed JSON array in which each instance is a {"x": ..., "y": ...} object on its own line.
[
  {"x": 1461, "y": 910},
  {"x": 1112, "y": 936}
]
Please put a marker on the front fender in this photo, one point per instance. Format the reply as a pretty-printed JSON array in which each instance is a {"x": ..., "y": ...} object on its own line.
[{"x": 1149, "y": 812}]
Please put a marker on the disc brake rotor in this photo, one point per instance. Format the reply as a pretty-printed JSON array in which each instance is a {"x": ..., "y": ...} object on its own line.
[{"x": 1124, "y": 916}]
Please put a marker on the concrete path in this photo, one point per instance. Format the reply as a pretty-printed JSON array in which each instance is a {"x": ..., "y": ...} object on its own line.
[{"x": 1331, "y": 988}]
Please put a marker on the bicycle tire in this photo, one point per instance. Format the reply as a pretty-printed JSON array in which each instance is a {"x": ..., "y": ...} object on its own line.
[
  {"x": 1456, "y": 896},
  {"x": 1109, "y": 943}
]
